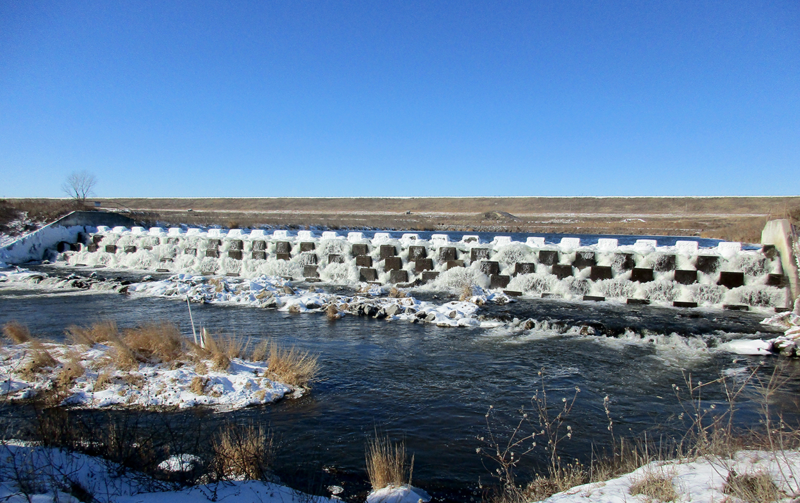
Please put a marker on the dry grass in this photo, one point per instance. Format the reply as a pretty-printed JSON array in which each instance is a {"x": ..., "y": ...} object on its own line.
[
  {"x": 292, "y": 366},
  {"x": 386, "y": 463},
  {"x": 160, "y": 341},
  {"x": 72, "y": 370},
  {"x": 40, "y": 359},
  {"x": 332, "y": 312},
  {"x": 752, "y": 488},
  {"x": 98, "y": 333},
  {"x": 198, "y": 385},
  {"x": 655, "y": 486},
  {"x": 260, "y": 351},
  {"x": 201, "y": 368},
  {"x": 243, "y": 452},
  {"x": 103, "y": 380},
  {"x": 16, "y": 332}
]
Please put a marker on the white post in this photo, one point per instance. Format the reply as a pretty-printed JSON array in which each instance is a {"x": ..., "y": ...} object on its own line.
[{"x": 194, "y": 333}]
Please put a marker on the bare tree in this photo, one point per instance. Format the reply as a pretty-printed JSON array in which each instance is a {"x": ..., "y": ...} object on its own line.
[{"x": 78, "y": 186}]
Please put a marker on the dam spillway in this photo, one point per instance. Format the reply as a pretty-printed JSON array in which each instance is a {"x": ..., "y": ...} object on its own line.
[{"x": 681, "y": 275}]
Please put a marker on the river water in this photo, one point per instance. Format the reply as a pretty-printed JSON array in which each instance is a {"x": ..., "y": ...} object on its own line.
[{"x": 432, "y": 386}]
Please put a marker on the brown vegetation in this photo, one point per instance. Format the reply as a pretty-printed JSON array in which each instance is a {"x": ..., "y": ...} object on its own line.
[
  {"x": 655, "y": 486},
  {"x": 16, "y": 332},
  {"x": 386, "y": 463},
  {"x": 243, "y": 452},
  {"x": 292, "y": 366},
  {"x": 752, "y": 488}
]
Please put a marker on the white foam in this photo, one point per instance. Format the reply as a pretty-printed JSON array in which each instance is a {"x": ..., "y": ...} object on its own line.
[
  {"x": 330, "y": 235},
  {"x": 193, "y": 232},
  {"x": 305, "y": 235},
  {"x": 138, "y": 230},
  {"x": 280, "y": 234},
  {"x": 119, "y": 229},
  {"x": 235, "y": 233},
  {"x": 729, "y": 249},
  {"x": 157, "y": 231},
  {"x": 535, "y": 242},
  {"x": 258, "y": 233},
  {"x": 102, "y": 229},
  {"x": 175, "y": 231},
  {"x": 381, "y": 237},
  {"x": 501, "y": 240},
  {"x": 645, "y": 245},
  {"x": 440, "y": 238},
  {"x": 354, "y": 237},
  {"x": 407, "y": 239}
]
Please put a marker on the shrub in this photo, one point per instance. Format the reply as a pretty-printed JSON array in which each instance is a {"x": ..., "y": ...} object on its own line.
[
  {"x": 243, "y": 453},
  {"x": 654, "y": 486}
]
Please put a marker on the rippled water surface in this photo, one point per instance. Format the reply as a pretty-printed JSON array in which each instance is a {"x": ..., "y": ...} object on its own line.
[{"x": 433, "y": 386}]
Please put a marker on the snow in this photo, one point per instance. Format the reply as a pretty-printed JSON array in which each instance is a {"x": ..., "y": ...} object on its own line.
[
  {"x": 398, "y": 494},
  {"x": 150, "y": 385},
  {"x": 33, "y": 246},
  {"x": 697, "y": 481},
  {"x": 30, "y": 473}
]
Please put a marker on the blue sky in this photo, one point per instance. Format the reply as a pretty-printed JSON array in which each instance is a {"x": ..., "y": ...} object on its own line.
[{"x": 400, "y": 98}]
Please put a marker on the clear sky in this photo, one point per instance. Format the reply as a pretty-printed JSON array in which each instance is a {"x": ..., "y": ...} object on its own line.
[{"x": 400, "y": 98}]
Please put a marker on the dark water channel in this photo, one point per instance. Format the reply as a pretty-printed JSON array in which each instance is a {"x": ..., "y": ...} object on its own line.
[{"x": 433, "y": 386}]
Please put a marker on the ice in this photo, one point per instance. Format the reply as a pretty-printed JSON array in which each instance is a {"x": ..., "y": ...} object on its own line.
[
  {"x": 305, "y": 235},
  {"x": 119, "y": 229},
  {"x": 102, "y": 229},
  {"x": 330, "y": 235},
  {"x": 235, "y": 233},
  {"x": 645, "y": 245},
  {"x": 194, "y": 232},
  {"x": 535, "y": 242},
  {"x": 729, "y": 249},
  {"x": 280, "y": 234},
  {"x": 398, "y": 494},
  {"x": 408, "y": 239},
  {"x": 156, "y": 231},
  {"x": 355, "y": 237},
  {"x": 175, "y": 231},
  {"x": 258, "y": 233},
  {"x": 138, "y": 230},
  {"x": 440, "y": 238},
  {"x": 381, "y": 237},
  {"x": 216, "y": 233}
]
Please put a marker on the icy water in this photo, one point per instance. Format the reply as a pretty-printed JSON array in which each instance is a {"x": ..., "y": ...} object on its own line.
[{"x": 433, "y": 386}]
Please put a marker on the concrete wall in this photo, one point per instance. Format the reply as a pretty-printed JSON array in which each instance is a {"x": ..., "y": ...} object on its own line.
[
  {"x": 94, "y": 219},
  {"x": 781, "y": 234}
]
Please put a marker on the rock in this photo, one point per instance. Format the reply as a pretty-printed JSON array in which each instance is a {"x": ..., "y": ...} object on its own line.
[
  {"x": 431, "y": 317},
  {"x": 392, "y": 310},
  {"x": 288, "y": 290}
]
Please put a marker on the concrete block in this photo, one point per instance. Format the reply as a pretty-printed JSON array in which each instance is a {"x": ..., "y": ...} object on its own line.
[
  {"x": 157, "y": 231},
  {"x": 363, "y": 260},
  {"x": 283, "y": 256},
  {"x": 213, "y": 243},
  {"x": 235, "y": 254},
  {"x": 409, "y": 238},
  {"x": 417, "y": 252},
  {"x": 259, "y": 255},
  {"x": 217, "y": 233},
  {"x": 562, "y": 271},
  {"x": 147, "y": 247},
  {"x": 367, "y": 274},
  {"x": 141, "y": 230},
  {"x": 330, "y": 235},
  {"x": 707, "y": 263},
  {"x": 387, "y": 251},
  {"x": 175, "y": 231},
  {"x": 259, "y": 245},
  {"x": 548, "y": 257},
  {"x": 212, "y": 253},
  {"x": 130, "y": 249},
  {"x": 398, "y": 276},
  {"x": 423, "y": 264},
  {"x": 359, "y": 249},
  {"x": 96, "y": 238},
  {"x": 280, "y": 234},
  {"x": 594, "y": 298},
  {"x": 429, "y": 276},
  {"x": 489, "y": 267},
  {"x": 736, "y": 307},
  {"x": 607, "y": 244},
  {"x": 447, "y": 253},
  {"x": 467, "y": 239},
  {"x": 309, "y": 258},
  {"x": 310, "y": 271},
  {"x": 63, "y": 246},
  {"x": 173, "y": 241},
  {"x": 512, "y": 293},
  {"x": 535, "y": 242},
  {"x": 381, "y": 237},
  {"x": 354, "y": 237},
  {"x": 335, "y": 259},
  {"x": 501, "y": 241},
  {"x": 305, "y": 235},
  {"x": 440, "y": 238},
  {"x": 190, "y": 251},
  {"x": 283, "y": 247},
  {"x": 569, "y": 243},
  {"x": 551, "y": 295},
  {"x": 119, "y": 229},
  {"x": 729, "y": 249},
  {"x": 778, "y": 280},
  {"x": 731, "y": 279},
  {"x": 307, "y": 246},
  {"x": 524, "y": 268},
  {"x": 680, "y": 303},
  {"x": 234, "y": 233},
  {"x": 642, "y": 275},
  {"x": 258, "y": 234},
  {"x": 392, "y": 264},
  {"x": 584, "y": 259},
  {"x": 91, "y": 247},
  {"x": 476, "y": 254},
  {"x": 687, "y": 247},
  {"x": 625, "y": 261},
  {"x": 686, "y": 277},
  {"x": 638, "y": 302},
  {"x": 645, "y": 245},
  {"x": 236, "y": 244},
  {"x": 600, "y": 272},
  {"x": 665, "y": 263},
  {"x": 454, "y": 263},
  {"x": 499, "y": 281}
]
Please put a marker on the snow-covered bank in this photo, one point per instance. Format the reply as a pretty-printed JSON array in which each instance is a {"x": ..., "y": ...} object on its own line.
[
  {"x": 44, "y": 475},
  {"x": 88, "y": 377},
  {"x": 698, "y": 481}
]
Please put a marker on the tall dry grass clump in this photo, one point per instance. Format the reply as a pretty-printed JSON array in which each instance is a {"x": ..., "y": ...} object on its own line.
[
  {"x": 292, "y": 366},
  {"x": 386, "y": 463},
  {"x": 40, "y": 359},
  {"x": 160, "y": 341},
  {"x": 98, "y": 333},
  {"x": 243, "y": 453},
  {"x": 16, "y": 332},
  {"x": 752, "y": 487},
  {"x": 655, "y": 486}
]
